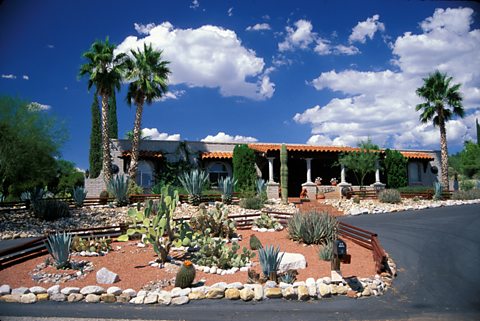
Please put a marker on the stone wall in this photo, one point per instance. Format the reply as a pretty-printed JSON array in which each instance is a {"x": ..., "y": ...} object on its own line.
[{"x": 94, "y": 186}]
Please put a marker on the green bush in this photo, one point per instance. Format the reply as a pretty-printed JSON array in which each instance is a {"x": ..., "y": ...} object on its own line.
[
  {"x": 467, "y": 185},
  {"x": 466, "y": 195},
  {"x": 255, "y": 243},
  {"x": 133, "y": 188},
  {"x": 395, "y": 169},
  {"x": 391, "y": 196},
  {"x": 244, "y": 168},
  {"x": 50, "y": 210},
  {"x": 91, "y": 244},
  {"x": 252, "y": 203},
  {"x": 312, "y": 228}
]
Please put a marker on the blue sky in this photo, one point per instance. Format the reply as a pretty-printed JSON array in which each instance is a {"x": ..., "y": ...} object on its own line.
[{"x": 317, "y": 72}]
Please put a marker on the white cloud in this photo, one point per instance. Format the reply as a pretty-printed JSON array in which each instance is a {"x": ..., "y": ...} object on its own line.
[
  {"x": 195, "y": 4},
  {"x": 9, "y": 76},
  {"x": 230, "y": 11},
  {"x": 50, "y": 46},
  {"x": 366, "y": 29},
  {"x": 208, "y": 56},
  {"x": 299, "y": 37},
  {"x": 381, "y": 104},
  {"x": 143, "y": 29},
  {"x": 25, "y": 77},
  {"x": 34, "y": 106},
  {"x": 221, "y": 137},
  {"x": 154, "y": 134},
  {"x": 346, "y": 50},
  {"x": 174, "y": 94},
  {"x": 259, "y": 27}
]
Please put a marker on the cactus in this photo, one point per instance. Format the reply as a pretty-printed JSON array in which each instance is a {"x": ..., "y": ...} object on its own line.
[
  {"x": 96, "y": 244},
  {"x": 103, "y": 198},
  {"x": 227, "y": 187},
  {"x": 185, "y": 275},
  {"x": 284, "y": 173},
  {"x": 215, "y": 220},
  {"x": 194, "y": 182},
  {"x": 79, "y": 195},
  {"x": 50, "y": 210},
  {"x": 255, "y": 243}
]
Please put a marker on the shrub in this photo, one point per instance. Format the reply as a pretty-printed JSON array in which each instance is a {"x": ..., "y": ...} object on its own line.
[
  {"x": 467, "y": 185},
  {"x": 466, "y": 195},
  {"x": 326, "y": 252},
  {"x": 265, "y": 221},
  {"x": 395, "y": 169},
  {"x": 58, "y": 245},
  {"x": 50, "y": 210},
  {"x": 79, "y": 195},
  {"x": 103, "y": 198},
  {"x": 356, "y": 199},
  {"x": 118, "y": 186},
  {"x": 255, "y": 243},
  {"x": 269, "y": 259},
  {"x": 194, "y": 182},
  {"x": 215, "y": 221},
  {"x": 244, "y": 168},
  {"x": 391, "y": 196},
  {"x": 133, "y": 188},
  {"x": 185, "y": 275},
  {"x": 227, "y": 187},
  {"x": 251, "y": 203},
  {"x": 312, "y": 228},
  {"x": 97, "y": 245},
  {"x": 414, "y": 189}
]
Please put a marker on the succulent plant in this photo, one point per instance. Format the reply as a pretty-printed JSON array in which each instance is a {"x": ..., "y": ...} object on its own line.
[
  {"x": 289, "y": 276},
  {"x": 253, "y": 277},
  {"x": 265, "y": 221},
  {"x": 58, "y": 245},
  {"x": 269, "y": 259},
  {"x": 438, "y": 191},
  {"x": 326, "y": 252},
  {"x": 255, "y": 243},
  {"x": 185, "y": 275},
  {"x": 312, "y": 227},
  {"x": 50, "y": 210},
  {"x": 118, "y": 186},
  {"x": 97, "y": 245},
  {"x": 261, "y": 187},
  {"x": 194, "y": 182},
  {"x": 391, "y": 196},
  {"x": 79, "y": 195},
  {"x": 103, "y": 197},
  {"x": 215, "y": 220},
  {"x": 227, "y": 187}
]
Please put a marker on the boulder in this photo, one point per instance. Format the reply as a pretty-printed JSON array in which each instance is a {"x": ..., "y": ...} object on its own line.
[
  {"x": 232, "y": 294},
  {"x": 92, "y": 289},
  {"x": 21, "y": 290},
  {"x": 235, "y": 285},
  {"x": 108, "y": 298},
  {"x": 196, "y": 295},
  {"x": 293, "y": 261},
  {"x": 115, "y": 290},
  {"x": 11, "y": 298},
  {"x": 123, "y": 298},
  {"x": 272, "y": 293},
  {"x": 70, "y": 290},
  {"x": 58, "y": 297},
  {"x": 180, "y": 292},
  {"x": 289, "y": 293},
  {"x": 312, "y": 290},
  {"x": 138, "y": 299},
  {"x": 215, "y": 293},
  {"x": 92, "y": 298},
  {"x": 180, "y": 300},
  {"x": 28, "y": 298},
  {"x": 323, "y": 290},
  {"x": 42, "y": 297},
  {"x": 164, "y": 298},
  {"x": 37, "y": 290},
  {"x": 53, "y": 289},
  {"x": 303, "y": 293},
  {"x": 151, "y": 298},
  {"x": 105, "y": 276},
  {"x": 5, "y": 289},
  {"x": 75, "y": 297},
  {"x": 130, "y": 292},
  {"x": 246, "y": 294}
]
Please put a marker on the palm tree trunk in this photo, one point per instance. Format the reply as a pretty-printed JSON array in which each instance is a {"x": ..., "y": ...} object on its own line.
[
  {"x": 107, "y": 162},
  {"x": 137, "y": 131},
  {"x": 444, "y": 155}
]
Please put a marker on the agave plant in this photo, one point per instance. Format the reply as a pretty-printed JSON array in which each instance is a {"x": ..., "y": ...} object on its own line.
[
  {"x": 58, "y": 245},
  {"x": 261, "y": 186},
  {"x": 118, "y": 186},
  {"x": 79, "y": 195},
  {"x": 227, "y": 187},
  {"x": 269, "y": 259},
  {"x": 31, "y": 197},
  {"x": 326, "y": 251},
  {"x": 194, "y": 182},
  {"x": 438, "y": 191}
]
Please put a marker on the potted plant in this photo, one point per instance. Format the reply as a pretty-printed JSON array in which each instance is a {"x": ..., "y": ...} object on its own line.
[
  {"x": 333, "y": 181},
  {"x": 318, "y": 181}
]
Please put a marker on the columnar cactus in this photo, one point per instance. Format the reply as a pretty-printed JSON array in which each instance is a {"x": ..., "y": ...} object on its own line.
[
  {"x": 284, "y": 173},
  {"x": 185, "y": 275}
]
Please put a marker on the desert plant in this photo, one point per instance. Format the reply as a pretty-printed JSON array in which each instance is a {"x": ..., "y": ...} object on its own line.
[
  {"x": 118, "y": 186},
  {"x": 289, "y": 276},
  {"x": 194, "y": 182},
  {"x": 216, "y": 252},
  {"x": 214, "y": 220},
  {"x": 265, "y": 221},
  {"x": 261, "y": 187},
  {"x": 437, "y": 191},
  {"x": 79, "y": 195},
  {"x": 103, "y": 197},
  {"x": 133, "y": 188},
  {"x": 312, "y": 227},
  {"x": 58, "y": 245},
  {"x": 252, "y": 276},
  {"x": 185, "y": 275},
  {"x": 395, "y": 169},
  {"x": 284, "y": 173},
  {"x": 270, "y": 259},
  {"x": 466, "y": 195},
  {"x": 157, "y": 224},
  {"x": 466, "y": 185},
  {"x": 356, "y": 199},
  {"x": 391, "y": 196},
  {"x": 326, "y": 251},
  {"x": 50, "y": 210},
  {"x": 255, "y": 243},
  {"x": 91, "y": 244},
  {"x": 251, "y": 203},
  {"x": 227, "y": 187}
]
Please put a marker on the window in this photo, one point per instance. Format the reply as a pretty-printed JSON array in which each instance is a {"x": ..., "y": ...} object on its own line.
[
  {"x": 145, "y": 174},
  {"x": 414, "y": 172},
  {"x": 216, "y": 171}
]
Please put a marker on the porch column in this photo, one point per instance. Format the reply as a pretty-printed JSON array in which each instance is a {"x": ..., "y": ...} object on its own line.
[
  {"x": 309, "y": 186},
  {"x": 272, "y": 187},
  {"x": 342, "y": 175},
  {"x": 270, "y": 169},
  {"x": 377, "y": 185}
]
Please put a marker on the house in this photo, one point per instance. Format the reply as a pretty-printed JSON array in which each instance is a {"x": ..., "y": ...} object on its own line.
[{"x": 305, "y": 163}]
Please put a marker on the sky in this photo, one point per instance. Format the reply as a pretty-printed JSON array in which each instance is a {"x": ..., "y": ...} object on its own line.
[{"x": 315, "y": 72}]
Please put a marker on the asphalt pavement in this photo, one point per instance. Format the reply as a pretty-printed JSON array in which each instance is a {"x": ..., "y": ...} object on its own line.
[{"x": 437, "y": 252}]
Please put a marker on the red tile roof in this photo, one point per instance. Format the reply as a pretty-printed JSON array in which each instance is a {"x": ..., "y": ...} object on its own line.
[
  {"x": 301, "y": 148},
  {"x": 216, "y": 155},
  {"x": 417, "y": 155}
]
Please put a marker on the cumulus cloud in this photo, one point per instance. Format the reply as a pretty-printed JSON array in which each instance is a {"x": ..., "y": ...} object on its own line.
[
  {"x": 9, "y": 76},
  {"x": 300, "y": 36},
  {"x": 143, "y": 29},
  {"x": 221, "y": 137},
  {"x": 195, "y": 4},
  {"x": 208, "y": 56},
  {"x": 25, "y": 77},
  {"x": 154, "y": 134},
  {"x": 381, "y": 104},
  {"x": 34, "y": 106},
  {"x": 174, "y": 94},
  {"x": 259, "y": 27},
  {"x": 365, "y": 29}
]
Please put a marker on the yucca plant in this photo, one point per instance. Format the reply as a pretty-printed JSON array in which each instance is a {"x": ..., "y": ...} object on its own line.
[
  {"x": 227, "y": 187},
  {"x": 194, "y": 182},
  {"x": 79, "y": 194},
  {"x": 58, "y": 245},
  {"x": 118, "y": 186},
  {"x": 269, "y": 260},
  {"x": 312, "y": 228}
]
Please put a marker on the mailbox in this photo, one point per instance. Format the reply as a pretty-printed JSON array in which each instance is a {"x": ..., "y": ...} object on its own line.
[{"x": 340, "y": 249}]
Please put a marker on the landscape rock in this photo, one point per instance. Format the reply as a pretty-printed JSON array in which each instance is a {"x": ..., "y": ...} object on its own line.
[
  {"x": 70, "y": 290},
  {"x": 92, "y": 289},
  {"x": 108, "y": 298},
  {"x": 151, "y": 298},
  {"x": 92, "y": 298},
  {"x": 105, "y": 276},
  {"x": 28, "y": 298},
  {"x": 232, "y": 294},
  {"x": 180, "y": 300},
  {"x": 5, "y": 289},
  {"x": 236, "y": 285},
  {"x": 11, "y": 298},
  {"x": 21, "y": 290},
  {"x": 258, "y": 292},
  {"x": 138, "y": 299},
  {"x": 272, "y": 293},
  {"x": 164, "y": 298},
  {"x": 130, "y": 292},
  {"x": 42, "y": 297},
  {"x": 323, "y": 290},
  {"x": 312, "y": 290},
  {"x": 75, "y": 297},
  {"x": 215, "y": 293},
  {"x": 123, "y": 298},
  {"x": 58, "y": 297},
  {"x": 310, "y": 282},
  {"x": 270, "y": 284},
  {"x": 289, "y": 293},
  {"x": 246, "y": 294},
  {"x": 196, "y": 295},
  {"x": 53, "y": 289},
  {"x": 292, "y": 261},
  {"x": 37, "y": 290},
  {"x": 303, "y": 292},
  {"x": 220, "y": 285},
  {"x": 115, "y": 290},
  {"x": 180, "y": 292}
]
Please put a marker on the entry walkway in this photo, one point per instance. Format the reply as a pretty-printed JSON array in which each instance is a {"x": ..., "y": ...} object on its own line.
[{"x": 315, "y": 205}]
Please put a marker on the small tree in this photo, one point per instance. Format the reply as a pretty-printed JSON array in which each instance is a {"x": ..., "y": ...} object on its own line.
[
  {"x": 95, "y": 157},
  {"x": 395, "y": 169},
  {"x": 112, "y": 116},
  {"x": 361, "y": 162},
  {"x": 244, "y": 168}
]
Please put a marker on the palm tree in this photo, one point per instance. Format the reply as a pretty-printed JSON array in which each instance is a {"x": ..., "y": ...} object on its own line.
[
  {"x": 149, "y": 75},
  {"x": 439, "y": 94},
  {"x": 104, "y": 70}
]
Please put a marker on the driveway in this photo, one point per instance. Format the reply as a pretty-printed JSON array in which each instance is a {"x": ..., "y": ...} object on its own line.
[{"x": 438, "y": 257}]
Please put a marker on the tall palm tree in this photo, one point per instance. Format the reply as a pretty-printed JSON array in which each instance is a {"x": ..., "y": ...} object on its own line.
[
  {"x": 105, "y": 71},
  {"x": 149, "y": 76},
  {"x": 439, "y": 95}
]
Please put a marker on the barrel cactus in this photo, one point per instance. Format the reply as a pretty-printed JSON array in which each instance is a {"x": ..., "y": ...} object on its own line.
[
  {"x": 255, "y": 243},
  {"x": 185, "y": 275}
]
